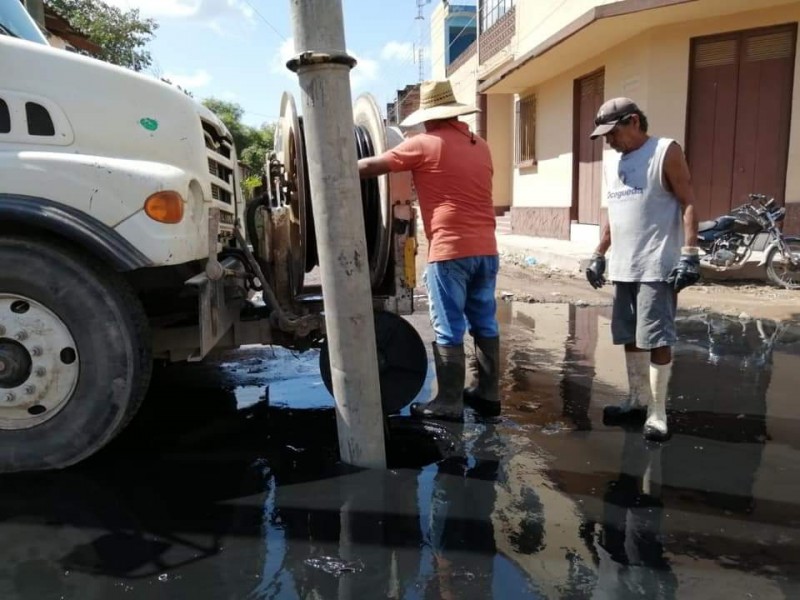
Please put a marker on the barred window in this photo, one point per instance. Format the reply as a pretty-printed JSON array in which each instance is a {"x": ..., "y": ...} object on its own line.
[
  {"x": 492, "y": 10},
  {"x": 525, "y": 153}
]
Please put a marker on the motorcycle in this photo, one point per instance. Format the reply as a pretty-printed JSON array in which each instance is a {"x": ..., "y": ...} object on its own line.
[{"x": 749, "y": 234}]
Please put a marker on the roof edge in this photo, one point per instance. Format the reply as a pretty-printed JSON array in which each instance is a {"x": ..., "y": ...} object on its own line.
[{"x": 606, "y": 11}]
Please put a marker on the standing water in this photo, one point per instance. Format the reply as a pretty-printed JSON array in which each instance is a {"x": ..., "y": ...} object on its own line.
[{"x": 228, "y": 483}]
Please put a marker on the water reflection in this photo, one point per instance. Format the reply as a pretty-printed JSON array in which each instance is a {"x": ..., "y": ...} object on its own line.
[
  {"x": 720, "y": 501},
  {"x": 229, "y": 485},
  {"x": 630, "y": 552}
]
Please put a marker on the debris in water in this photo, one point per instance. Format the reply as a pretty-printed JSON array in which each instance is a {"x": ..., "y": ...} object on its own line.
[
  {"x": 335, "y": 566},
  {"x": 556, "y": 427}
]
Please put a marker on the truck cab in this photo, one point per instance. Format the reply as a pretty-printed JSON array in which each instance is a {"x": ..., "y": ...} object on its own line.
[{"x": 124, "y": 241}]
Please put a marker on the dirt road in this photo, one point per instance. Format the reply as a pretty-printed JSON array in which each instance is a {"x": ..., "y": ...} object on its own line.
[
  {"x": 517, "y": 281},
  {"x": 751, "y": 299}
]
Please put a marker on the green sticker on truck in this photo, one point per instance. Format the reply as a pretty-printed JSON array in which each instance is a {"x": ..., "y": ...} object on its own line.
[{"x": 148, "y": 123}]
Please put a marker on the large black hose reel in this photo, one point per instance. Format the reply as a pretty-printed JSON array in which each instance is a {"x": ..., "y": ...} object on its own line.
[
  {"x": 290, "y": 147},
  {"x": 402, "y": 360}
]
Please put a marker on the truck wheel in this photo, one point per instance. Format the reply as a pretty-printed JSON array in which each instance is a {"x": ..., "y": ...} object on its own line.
[
  {"x": 782, "y": 272},
  {"x": 75, "y": 356}
]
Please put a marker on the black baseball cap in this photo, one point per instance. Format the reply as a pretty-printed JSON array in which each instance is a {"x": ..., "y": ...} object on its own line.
[{"x": 611, "y": 113}]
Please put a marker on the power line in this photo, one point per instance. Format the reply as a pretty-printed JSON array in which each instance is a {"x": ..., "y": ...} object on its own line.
[{"x": 263, "y": 18}]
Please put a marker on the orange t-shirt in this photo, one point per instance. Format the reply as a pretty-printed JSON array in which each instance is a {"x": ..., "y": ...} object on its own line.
[{"x": 453, "y": 179}]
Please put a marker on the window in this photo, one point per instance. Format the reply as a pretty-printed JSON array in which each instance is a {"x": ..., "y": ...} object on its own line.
[
  {"x": 5, "y": 117},
  {"x": 459, "y": 39},
  {"x": 39, "y": 120},
  {"x": 492, "y": 10},
  {"x": 525, "y": 152}
]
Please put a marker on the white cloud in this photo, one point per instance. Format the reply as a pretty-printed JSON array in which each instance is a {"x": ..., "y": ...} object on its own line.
[
  {"x": 285, "y": 52},
  {"x": 400, "y": 51},
  {"x": 198, "y": 79},
  {"x": 366, "y": 70},
  {"x": 208, "y": 11}
]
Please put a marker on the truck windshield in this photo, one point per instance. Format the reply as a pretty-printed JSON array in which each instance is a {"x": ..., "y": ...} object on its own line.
[{"x": 16, "y": 22}]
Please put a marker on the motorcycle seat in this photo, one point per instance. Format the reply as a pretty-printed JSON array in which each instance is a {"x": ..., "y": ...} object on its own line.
[{"x": 706, "y": 225}]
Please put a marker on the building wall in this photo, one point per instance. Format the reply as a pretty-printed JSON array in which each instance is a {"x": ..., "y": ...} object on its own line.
[
  {"x": 550, "y": 182},
  {"x": 652, "y": 68},
  {"x": 538, "y": 20},
  {"x": 57, "y": 42},
  {"x": 670, "y": 61},
  {"x": 438, "y": 56},
  {"x": 499, "y": 128}
]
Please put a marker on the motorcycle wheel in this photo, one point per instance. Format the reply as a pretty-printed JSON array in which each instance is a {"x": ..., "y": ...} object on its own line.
[{"x": 781, "y": 272}]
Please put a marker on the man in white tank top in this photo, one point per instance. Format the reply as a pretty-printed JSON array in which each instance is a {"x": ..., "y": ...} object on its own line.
[{"x": 650, "y": 214}]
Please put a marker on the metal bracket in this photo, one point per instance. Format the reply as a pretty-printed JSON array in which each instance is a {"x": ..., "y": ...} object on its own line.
[{"x": 308, "y": 58}]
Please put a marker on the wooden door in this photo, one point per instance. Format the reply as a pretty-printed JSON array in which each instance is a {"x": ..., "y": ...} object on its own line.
[
  {"x": 588, "y": 154},
  {"x": 739, "y": 116}
]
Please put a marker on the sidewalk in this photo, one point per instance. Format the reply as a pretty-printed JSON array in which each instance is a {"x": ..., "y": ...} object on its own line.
[
  {"x": 565, "y": 255},
  {"x": 573, "y": 256}
]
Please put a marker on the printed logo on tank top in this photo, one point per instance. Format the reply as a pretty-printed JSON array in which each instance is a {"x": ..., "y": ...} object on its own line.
[{"x": 630, "y": 183}]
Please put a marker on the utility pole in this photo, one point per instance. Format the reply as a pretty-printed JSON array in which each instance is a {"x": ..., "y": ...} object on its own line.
[{"x": 323, "y": 68}]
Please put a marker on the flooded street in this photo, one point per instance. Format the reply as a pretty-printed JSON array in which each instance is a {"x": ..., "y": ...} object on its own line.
[{"x": 227, "y": 484}]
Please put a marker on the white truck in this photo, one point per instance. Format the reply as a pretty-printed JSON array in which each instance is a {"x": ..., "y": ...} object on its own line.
[{"x": 122, "y": 241}]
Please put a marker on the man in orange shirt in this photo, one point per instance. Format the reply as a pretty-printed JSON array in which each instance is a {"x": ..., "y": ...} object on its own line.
[{"x": 452, "y": 172}]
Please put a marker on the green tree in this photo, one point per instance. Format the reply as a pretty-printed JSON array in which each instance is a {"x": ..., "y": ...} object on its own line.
[
  {"x": 231, "y": 114},
  {"x": 252, "y": 143},
  {"x": 121, "y": 34},
  {"x": 261, "y": 144}
]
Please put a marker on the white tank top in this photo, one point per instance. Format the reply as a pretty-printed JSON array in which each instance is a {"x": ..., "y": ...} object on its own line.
[{"x": 645, "y": 218}]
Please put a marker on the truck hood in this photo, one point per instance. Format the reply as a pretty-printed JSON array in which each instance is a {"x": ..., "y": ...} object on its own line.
[{"x": 112, "y": 111}]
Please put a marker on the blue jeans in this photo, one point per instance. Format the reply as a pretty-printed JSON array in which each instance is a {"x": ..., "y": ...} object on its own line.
[{"x": 461, "y": 295}]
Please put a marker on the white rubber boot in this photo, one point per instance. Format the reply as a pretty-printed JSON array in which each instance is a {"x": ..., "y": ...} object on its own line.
[
  {"x": 655, "y": 427},
  {"x": 638, "y": 367}
]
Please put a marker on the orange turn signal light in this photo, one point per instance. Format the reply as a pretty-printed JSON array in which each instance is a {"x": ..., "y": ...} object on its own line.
[{"x": 165, "y": 207}]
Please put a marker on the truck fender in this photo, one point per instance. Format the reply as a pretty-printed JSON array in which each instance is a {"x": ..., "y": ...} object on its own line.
[
  {"x": 74, "y": 225},
  {"x": 773, "y": 244}
]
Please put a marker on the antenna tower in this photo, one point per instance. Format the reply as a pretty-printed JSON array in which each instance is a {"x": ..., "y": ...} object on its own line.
[{"x": 421, "y": 46}]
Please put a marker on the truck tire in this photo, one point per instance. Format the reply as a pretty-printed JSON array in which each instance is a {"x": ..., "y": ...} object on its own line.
[{"x": 75, "y": 354}]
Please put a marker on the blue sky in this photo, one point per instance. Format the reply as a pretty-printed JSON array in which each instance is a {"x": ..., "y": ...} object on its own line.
[{"x": 236, "y": 50}]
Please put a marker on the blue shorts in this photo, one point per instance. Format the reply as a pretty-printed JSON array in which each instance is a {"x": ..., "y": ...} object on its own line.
[
  {"x": 644, "y": 314},
  {"x": 461, "y": 295}
]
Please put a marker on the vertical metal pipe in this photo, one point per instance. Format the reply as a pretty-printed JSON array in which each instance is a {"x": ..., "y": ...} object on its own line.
[{"x": 323, "y": 68}]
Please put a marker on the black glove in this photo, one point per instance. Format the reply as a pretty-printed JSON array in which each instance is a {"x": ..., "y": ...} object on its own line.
[
  {"x": 686, "y": 273},
  {"x": 596, "y": 270}
]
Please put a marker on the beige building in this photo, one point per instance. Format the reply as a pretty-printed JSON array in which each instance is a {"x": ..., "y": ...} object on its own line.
[{"x": 715, "y": 75}]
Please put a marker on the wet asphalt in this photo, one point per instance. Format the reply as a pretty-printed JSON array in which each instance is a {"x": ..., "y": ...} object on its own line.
[{"x": 228, "y": 486}]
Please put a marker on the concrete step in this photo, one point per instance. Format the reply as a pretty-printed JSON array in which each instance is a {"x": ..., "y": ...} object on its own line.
[{"x": 503, "y": 223}]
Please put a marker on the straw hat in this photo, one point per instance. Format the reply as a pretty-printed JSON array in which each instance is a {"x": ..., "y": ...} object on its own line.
[{"x": 437, "y": 101}]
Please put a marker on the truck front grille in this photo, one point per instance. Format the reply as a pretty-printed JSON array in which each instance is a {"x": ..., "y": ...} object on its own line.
[
  {"x": 220, "y": 194},
  {"x": 219, "y": 151}
]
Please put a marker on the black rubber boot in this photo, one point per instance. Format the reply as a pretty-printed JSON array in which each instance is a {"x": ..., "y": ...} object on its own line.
[
  {"x": 483, "y": 394},
  {"x": 448, "y": 404}
]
